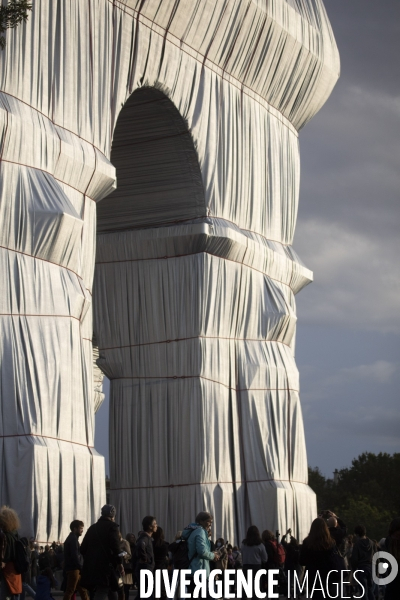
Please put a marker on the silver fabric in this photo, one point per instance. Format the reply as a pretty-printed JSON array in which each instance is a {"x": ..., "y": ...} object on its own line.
[{"x": 212, "y": 173}]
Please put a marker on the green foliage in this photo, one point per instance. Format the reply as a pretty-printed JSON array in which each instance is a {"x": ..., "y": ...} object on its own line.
[
  {"x": 374, "y": 476},
  {"x": 367, "y": 493},
  {"x": 359, "y": 511},
  {"x": 11, "y": 15}
]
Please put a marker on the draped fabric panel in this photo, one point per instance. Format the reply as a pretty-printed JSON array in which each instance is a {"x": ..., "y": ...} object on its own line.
[
  {"x": 204, "y": 387},
  {"x": 197, "y": 105}
]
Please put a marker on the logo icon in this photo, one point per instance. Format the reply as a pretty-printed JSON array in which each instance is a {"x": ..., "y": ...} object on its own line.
[{"x": 384, "y": 568}]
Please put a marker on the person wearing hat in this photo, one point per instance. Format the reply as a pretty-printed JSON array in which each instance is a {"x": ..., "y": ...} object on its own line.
[{"x": 101, "y": 561}]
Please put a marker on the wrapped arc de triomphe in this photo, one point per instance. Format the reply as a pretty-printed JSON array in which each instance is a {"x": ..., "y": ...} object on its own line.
[{"x": 197, "y": 105}]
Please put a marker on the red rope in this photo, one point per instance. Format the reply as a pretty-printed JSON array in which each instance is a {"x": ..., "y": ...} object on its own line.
[
  {"x": 51, "y": 121},
  {"x": 195, "y": 337},
  {"x": 240, "y": 87},
  {"x": 172, "y": 485},
  {"x": 13, "y": 162},
  {"x": 44, "y": 260},
  {"x": 236, "y": 389},
  {"x": 46, "y": 437},
  {"x": 37, "y": 315}
]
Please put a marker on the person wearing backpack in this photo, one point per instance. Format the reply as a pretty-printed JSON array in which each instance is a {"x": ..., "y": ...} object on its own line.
[
  {"x": 275, "y": 550},
  {"x": 11, "y": 579},
  {"x": 196, "y": 535},
  {"x": 276, "y": 556}
]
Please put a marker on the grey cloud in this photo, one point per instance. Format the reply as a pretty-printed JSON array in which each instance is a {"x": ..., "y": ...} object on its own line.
[
  {"x": 368, "y": 36},
  {"x": 348, "y": 411},
  {"x": 356, "y": 277},
  {"x": 348, "y": 234},
  {"x": 351, "y": 161},
  {"x": 381, "y": 371}
]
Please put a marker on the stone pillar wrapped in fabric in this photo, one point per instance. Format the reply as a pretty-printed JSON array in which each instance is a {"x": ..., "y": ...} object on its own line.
[
  {"x": 197, "y": 105},
  {"x": 195, "y": 275}
]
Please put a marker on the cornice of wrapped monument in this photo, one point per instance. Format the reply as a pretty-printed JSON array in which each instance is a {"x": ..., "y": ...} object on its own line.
[{"x": 283, "y": 51}]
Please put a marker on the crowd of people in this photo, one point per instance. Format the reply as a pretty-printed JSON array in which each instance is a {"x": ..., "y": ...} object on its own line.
[{"x": 107, "y": 566}]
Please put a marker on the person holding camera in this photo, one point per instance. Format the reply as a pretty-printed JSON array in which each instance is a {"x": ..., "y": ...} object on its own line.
[
  {"x": 220, "y": 546},
  {"x": 292, "y": 560},
  {"x": 199, "y": 546},
  {"x": 337, "y": 528}
]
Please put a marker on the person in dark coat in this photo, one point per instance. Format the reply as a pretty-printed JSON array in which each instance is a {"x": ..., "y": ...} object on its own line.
[
  {"x": 144, "y": 548},
  {"x": 34, "y": 561},
  {"x": 45, "y": 559},
  {"x": 392, "y": 545},
  {"x": 101, "y": 561},
  {"x": 26, "y": 577},
  {"x": 361, "y": 561},
  {"x": 73, "y": 562},
  {"x": 320, "y": 555},
  {"x": 161, "y": 557},
  {"x": 160, "y": 549}
]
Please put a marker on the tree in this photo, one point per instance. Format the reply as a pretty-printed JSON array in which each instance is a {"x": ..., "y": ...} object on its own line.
[
  {"x": 367, "y": 493},
  {"x": 11, "y": 15},
  {"x": 374, "y": 476},
  {"x": 359, "y": 511},
  {"x": 325, "y": 489}
]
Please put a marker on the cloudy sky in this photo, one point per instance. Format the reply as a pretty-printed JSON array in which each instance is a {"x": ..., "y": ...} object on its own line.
[{"x": 348, "y": 336}]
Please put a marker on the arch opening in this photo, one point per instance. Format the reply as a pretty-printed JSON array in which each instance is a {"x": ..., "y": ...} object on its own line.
[{"x": 158, "y": 174}]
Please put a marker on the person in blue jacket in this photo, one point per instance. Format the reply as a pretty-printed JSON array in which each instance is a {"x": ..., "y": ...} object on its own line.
[{"x": 199, "y": 546}]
